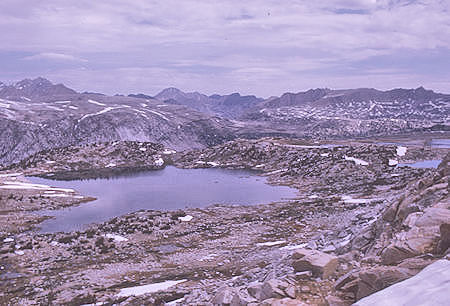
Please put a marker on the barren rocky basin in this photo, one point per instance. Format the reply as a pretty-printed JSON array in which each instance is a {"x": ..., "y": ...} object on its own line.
[{"x": 358, "y": 224}]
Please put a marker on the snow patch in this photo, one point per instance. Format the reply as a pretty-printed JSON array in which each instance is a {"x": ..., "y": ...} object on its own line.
[
  {"x": 11, "y": 174},
  {"x": 271, "y": 243},
  {"x": 208, "y": 257},
  {"x": 294, "y": 247},
  {"x": 107, "y": 109},
  {"x": 19, "y": 252},
  {"x": 116, "y": 237},
  {"x": 186, "y": 218},
  {"x": 20, "y": 185},
  {"x": 159, "y": 162},
  {"x": 393, "y": 162},
  {"x": 96, "y": 102},
  {"x": 325, "y": 154},
  {"x": 174, "y": 302},
  {"x": 213, "y": 164},
  {"x": 55, "y": 108},
  {"x": 401, "y": 151},
  {"x": 143, "y": 149},
  {"x": 168, "y": 151},
  {"x": 158, "y": 114},
  {"x": 356, "y": 160},
  {"x": 140, "y": 290},
  {"x": 73, "y": 107},
  {"x": 350, "y": 200},
  {"x": 110, "y": 165},
  {"x": 57, "y": 195},
  {"x": 6, "y": 240}
]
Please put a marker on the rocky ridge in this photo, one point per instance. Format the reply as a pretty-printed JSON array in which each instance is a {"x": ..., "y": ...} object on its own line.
[
  {"x": 36, "y": 115},
  {"x": 63, "y": 119}
]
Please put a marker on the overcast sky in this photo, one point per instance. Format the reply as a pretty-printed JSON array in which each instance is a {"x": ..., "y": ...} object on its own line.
[{"x": 260, "y": 47}]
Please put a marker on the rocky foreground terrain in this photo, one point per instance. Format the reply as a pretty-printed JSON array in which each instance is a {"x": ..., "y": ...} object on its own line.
[{"x": 359, "y": 224}]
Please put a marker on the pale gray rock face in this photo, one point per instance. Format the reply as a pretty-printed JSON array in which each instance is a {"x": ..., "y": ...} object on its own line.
[
  {"x": 36, "y": 115},
  {"x": 428, "y": 287},
  {"x": 227, "y": 106}
]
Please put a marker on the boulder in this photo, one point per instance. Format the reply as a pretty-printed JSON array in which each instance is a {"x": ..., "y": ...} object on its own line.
[
  {"x": 336, "y": 301},
  {"x": 375, "y": 279},
  {"x": 273, "y": 288},
  {"x": 320, "y": 264},
  {"x": 428, "y": 287},
  {"x": 227, "y": 296},
  {"x": 255, "y": 290}
]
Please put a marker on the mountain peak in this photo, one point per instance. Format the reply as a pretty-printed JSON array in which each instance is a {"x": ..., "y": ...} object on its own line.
[{"x": 37, "y": 87}]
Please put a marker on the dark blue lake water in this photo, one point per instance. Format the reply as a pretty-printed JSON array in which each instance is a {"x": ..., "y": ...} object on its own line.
[{"x": 167, "y": 189}]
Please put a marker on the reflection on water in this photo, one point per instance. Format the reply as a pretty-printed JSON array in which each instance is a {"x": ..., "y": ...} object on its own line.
[{"x": 167, "y": 189}]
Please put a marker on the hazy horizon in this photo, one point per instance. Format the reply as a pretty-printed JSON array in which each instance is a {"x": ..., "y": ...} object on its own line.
[{"x": 260, "y": 48}]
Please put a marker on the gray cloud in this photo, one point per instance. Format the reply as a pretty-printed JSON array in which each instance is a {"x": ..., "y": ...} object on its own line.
[{"x": 263, "y": 47}]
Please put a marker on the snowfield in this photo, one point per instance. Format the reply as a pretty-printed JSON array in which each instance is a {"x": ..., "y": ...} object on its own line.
[{"x": 140, "y": 290}]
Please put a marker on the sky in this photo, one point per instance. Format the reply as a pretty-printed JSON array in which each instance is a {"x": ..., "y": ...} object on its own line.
[{"x": 260, "y": 47}]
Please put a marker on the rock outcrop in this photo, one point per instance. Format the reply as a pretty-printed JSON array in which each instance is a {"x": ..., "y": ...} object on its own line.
[{"x": 429, "y": 287}]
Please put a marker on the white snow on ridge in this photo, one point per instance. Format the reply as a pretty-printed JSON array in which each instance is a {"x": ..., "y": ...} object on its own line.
[
  {"x": 140, "y": 290},
  {"x": 158, "y": 114},
  {"x": 55, "y": 108},
  {"x": 96, "y": 102},
  {"x": 110, "y": 165},
  {"x": 401, "y": 151},
  {"x": 107, "y": 109},
  {"x": 356, "y": 160}
]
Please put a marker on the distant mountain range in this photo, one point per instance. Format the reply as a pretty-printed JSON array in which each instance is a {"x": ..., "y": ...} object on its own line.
[{"x": 36, "y": 115}]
